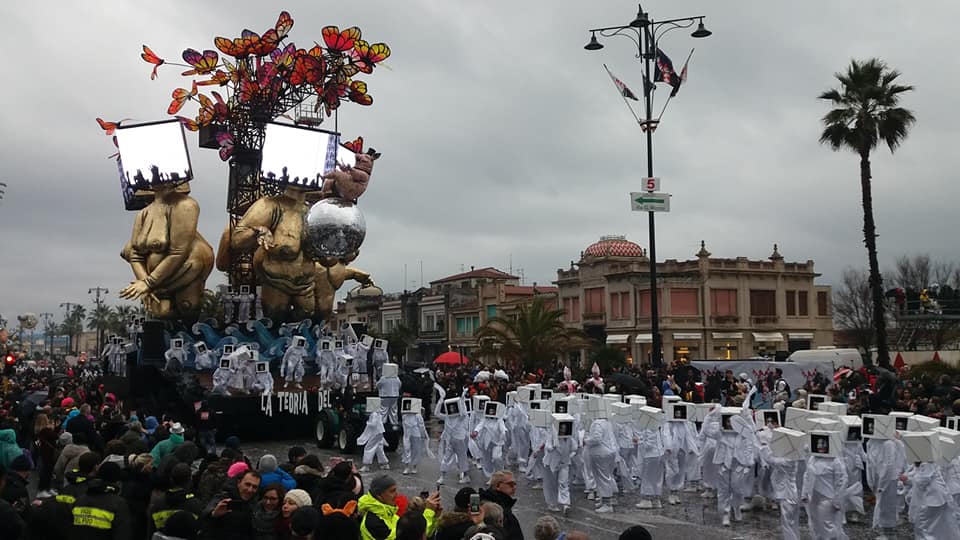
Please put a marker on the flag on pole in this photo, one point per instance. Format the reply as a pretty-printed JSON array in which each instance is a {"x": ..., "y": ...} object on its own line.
[
  {"x": 622, "y": 88},
  {"x": 664, "y": 72}
]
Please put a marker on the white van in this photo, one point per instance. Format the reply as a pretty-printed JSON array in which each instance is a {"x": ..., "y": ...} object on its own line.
[{"x": 850, "y": 358}]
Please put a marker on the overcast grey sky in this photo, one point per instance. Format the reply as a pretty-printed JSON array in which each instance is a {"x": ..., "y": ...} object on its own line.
[{"x": 501, "y": 136}]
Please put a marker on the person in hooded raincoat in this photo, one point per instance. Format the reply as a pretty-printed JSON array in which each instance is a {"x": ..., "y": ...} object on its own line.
[
  {"x": 490, "y": 435},
  {"x": 853, "y": 458},
  {"x": 557, "y": 458},
  {"x": 601, "y": 443},
  {"x": 932, "y": 510},
  {"x": 651, "y": 453},
  {"x": 518, "y": 426},
  {"x": 783, "y": 488},
  {"x": 682, "y": 453},
  {"x": 735, "y": 456},
  {"x": 824, "y": 487},
  {"x": 886, "y": 461},
  {"x": 453, "y": 440}
]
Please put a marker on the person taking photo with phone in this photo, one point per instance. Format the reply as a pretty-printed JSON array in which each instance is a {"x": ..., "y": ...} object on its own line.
[{"x": 229, "y": 515}]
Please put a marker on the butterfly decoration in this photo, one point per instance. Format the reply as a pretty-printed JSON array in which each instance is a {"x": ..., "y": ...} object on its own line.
[
  {"x": 152, "y": 58},
  {"x": 358, "y": 93},
  {"x": 181, "y": 96},
  {"x": 225, "y": 140},
  {"x": 365, "y": 56},
  {"x": 307, "y": 68},
  {"x": 355, "y": 146},
  {"x": 284, "y": 24},
  {"x": 202, "y": 63},
  {"x": 189, "y": 123},
  {"x": 283, "y": 58},
  {"x": 115, "y": 154},
  {"x": 237, "y": 47},
  {"x": 340, "y": 42},
  {"x": 108, "y": 127}
]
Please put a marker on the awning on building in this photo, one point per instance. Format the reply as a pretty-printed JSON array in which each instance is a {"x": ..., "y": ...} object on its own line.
[
  {"x": 617, "y": 339},
  {"x": 644, "y": 338},
  {"x": 767, "y": 336},
  {"x": 727, "y": 335},
  {"x": 800, "y": 335},
  {"x": 687, "y": 336}
]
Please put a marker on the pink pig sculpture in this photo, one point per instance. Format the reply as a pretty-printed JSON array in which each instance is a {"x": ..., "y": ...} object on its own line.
[{"x": 350, "y": 182}]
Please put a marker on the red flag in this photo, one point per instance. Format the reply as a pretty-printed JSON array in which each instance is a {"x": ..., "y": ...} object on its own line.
[
  {"x": 936, "y": 356},
  {"x": 622, "y": 88},
  {"x": 898, "y": 362}
]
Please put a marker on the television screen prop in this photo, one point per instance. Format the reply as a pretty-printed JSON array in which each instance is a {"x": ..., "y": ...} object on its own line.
[
  {"x": 390, "y": 370},
  {"x": 828, "y": 444},
  {"x": 649, "y": 417},
  {"x": 244, "y": 289},
  {"x": 631, "y": 399},
  {"x": 540, "y": 418},
  {"x": 380, "y": 344},
  {"x": 451, "y": 407},
  {"x": 225, "y": 363},
  {"x": 338, "y": 344},
  {"x": 567, "y": 405},
  {"x": 854, "y": 428},
  {"x": 878, "y": 426},
  {"x": 228, "y": 348},
  {"x": 153, "y": 154},
  {"x": 839, "y": 409},
  {"x": 529, "y": 394},
  {"x": 726, "y": 417},
  {"x": 919, "y": 422},
  {"x": 901, "y": 420},
  {"x": 702, "y": 409},
  {"x": 299, "y": 341},
  {"x": 613, "y": 398},
  {"x": 373, "y": 404},
  {"x": 667, "y": 400},
  {"x": 621, "y": 413},
  {"x": 366, "y": 340},
  {"x": 539, "y": 405},
  {"x": 494, "y": 409},
  {"x": 767, "y": 417},
  {"x": 947, "y": 432},
  {"x": 789, "y": 444},
  {"x": 921, "y": 446},
  {"x": 814, "y": 401},
  {"x": 410, "y": 405},
  {"x": 953, "y": 422},
  {"x": 949, "y": 449},
  {"x": 562, "y": 425},
  {"x": 815, "y": 423},
  {"x": 546, "y": 395},
  {"x": 511, "y": 398},
  {"x": 326, "y": 345},
  {"x": 200, "y": 347},
  {"x": 300, "y": 156},
  {"x": 262, "y": 367},
  {"x": 176, "y": 344},
  {"x": 596, "y": 403},
  {"x": 678, "y": 411}
]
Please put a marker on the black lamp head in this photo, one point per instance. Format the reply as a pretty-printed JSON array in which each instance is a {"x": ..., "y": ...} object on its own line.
[
  {"x": 594, "y": 45},
  {"x": 701, "y": 31},
  {"x": 642, "y": 20}
]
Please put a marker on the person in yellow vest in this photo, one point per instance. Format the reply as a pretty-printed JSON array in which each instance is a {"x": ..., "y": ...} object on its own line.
[
  {"x": 378, "y": 510},
  {"x": 102, "y": 513}
]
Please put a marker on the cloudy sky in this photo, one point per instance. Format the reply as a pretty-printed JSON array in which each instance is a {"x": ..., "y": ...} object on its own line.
[{"x": 502, "y": 138}]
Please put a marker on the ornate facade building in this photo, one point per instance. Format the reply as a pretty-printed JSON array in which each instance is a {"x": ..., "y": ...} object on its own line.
[{"x": 710, "y": 308}]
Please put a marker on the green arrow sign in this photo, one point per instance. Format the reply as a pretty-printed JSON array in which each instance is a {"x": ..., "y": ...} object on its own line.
[
  {"x": 649, "y": 202},
  {"x": 652, "y": 200}
]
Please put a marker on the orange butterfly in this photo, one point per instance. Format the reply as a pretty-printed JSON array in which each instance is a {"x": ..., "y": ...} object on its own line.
[
  {"x": 338, "y": 41},
  {"x": 152, "y": 58},
  {"x": 240, "y": 47},
  {"x": 248, "y": 90},
  {"x": 108, "y": 127},
  {"x": 262, "y": 46},
  {"x": 355, "y": 146},
  {"x": 283, "y": 58},
  {"x": 181, "y": 96},
  {"x": 358, "y": 93},
  {"x": 189, "y": 123},
  {"x": 365, "y": 56},
  {"x": 284, "y": 24},
  {"x": 202, "y": 63},
  {"x": 307, "y": 69}
]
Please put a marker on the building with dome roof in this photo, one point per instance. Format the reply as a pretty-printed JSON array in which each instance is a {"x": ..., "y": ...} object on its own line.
[{"x": 710, "y": 308}]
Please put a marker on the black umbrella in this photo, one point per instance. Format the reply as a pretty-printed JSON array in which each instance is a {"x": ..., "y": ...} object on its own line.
[
  {"x": 29, "y": 404},
  {"x": 626, "y": 384}
]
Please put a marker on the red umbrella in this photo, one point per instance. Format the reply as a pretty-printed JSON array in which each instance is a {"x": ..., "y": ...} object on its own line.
[
  {"x": 452, "y": 358},
  {"x": 844, "y": 372}
]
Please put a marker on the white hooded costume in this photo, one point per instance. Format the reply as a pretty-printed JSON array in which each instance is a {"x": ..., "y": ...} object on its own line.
[
  {"x": 824, "y": 486},
  {"x": 205, "y": 360},
  {"x": 932, "y": 510},
  {"x": 490, "y": 435},
  {"x": 735, "y": 457},
  {"x": 244, "y": 301},
  {"x": 453, "y": 440},
  {"x": 710, "y": 471},
  {"x": 388, "y": 388},
  {"x": 518, "y": 425},
  {"x": 682, "y": 453},
  {"x": 886, "y": 460},
  {"x": 175, "y": 359},
  {"x": 415, "y": 440},
  {"x": 853, "y": 459},
  {"x": 291, "y": 367},
  {"x": 651, "y": 453},
  {"x": 327, "y": 363},
  {"x": 373, "y": 441},
  {"x": 601, "y": 443},
  {"x": 557, "y": 458},
  {"x": 783, "y": 488}
]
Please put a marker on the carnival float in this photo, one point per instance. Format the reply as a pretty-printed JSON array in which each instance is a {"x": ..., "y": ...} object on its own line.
[{"x": 292, "y": 230}]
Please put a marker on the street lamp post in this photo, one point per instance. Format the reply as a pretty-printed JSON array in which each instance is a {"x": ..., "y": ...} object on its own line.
[
  {"x": 46, "y": 330},
  {"x": 646, "y": 33},
  {"x": 97, "y": 291}
]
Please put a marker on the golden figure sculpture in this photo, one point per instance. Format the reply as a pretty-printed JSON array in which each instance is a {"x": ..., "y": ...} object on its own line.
[
  {"x": 169, "y": 257},
  {"x": 329, "y": 280},
  {"x": 273, "y": 226}
]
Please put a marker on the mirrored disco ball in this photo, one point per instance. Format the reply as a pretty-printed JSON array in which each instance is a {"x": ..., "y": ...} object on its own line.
[{"x": 333, "y": 229}]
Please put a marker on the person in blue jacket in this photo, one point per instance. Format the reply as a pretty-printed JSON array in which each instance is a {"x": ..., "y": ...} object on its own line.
[{"x": 271, "y": 473}]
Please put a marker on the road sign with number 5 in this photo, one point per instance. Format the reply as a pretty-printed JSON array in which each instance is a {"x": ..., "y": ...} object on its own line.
[{"x": 651, "y": 183}]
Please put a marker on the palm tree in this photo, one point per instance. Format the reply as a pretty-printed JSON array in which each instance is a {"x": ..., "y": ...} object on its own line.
[
  {"x": 532, "y": 339},
  {"x": 100, "y": 319},
  {"x": 120, "y": 318},
  {"x": 73, "y": 325},
  {"x": 865, "y": 113}
]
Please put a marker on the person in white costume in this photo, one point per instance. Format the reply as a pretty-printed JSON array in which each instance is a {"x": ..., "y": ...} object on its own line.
[
  {"x": 327, "y": 362},
  {"x": 291, "y": 367},
  {"x": 490, "y": 434},
  {"x": 680, "y": 443},
  {"x": 601, "y": 443},
  {"x": 244, "y": 301},
  {"x": 415, "y": 439},
  {"x": 710, "y": 471},
  {"x": 373, "y": 442},
  {"x": 453, "y": 440},
  {"x": 558, "y": 455},
  {"x": 735, "y": 456},
  {"x": 824, "y": 486},
  {"x": 518, "y": 424},
  {"x": 175, "y": 356},
  {"x": 263, "y": 379},
  {"x": 388, "y": 388},
  {"x": 932, "y": 511},
  {"x": 380, "y": 357},
  {"x": 205, "y": 358},
  {"x": 651, "y": 453},
  {"x": 783, "y": 488},
  {"x": 627, "y": 456},
  {"x": 886, "y": 461},
  {"x": 341, "y": 375},
  {"x": 853, "y": 459}
]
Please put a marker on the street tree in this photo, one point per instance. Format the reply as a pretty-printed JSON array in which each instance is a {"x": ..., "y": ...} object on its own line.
[
  {"x": 853, "y": 308},
  {"x": 865, "y": 113},
  {"x": 531, "y": 339}
]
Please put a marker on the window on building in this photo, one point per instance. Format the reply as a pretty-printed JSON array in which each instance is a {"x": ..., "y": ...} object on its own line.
[
  {"x": 620, "y": 305},
  {"x": 803, "y": 304},
  {"x": 491, "y": 311},
  {"x": 823, "y": 306},
  {"x": 791, "y": 303},
  {"x": 467, "y": 326},
  {"x": 763, "y": 303},
  {"x": 723, "y": 302},
  {"x": 429, "y": 322},
  {"x": 643, "y": 300},
  {"x": 594, "y": 300},
  {"x": 684, "y": 302},
  {"x": 571, "y": 309}
]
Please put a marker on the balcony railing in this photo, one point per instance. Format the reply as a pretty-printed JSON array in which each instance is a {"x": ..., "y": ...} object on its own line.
[
  {"x": 594, "y": 316},
  {"x": 721, "y": 320},
  {"x": 763, "y": 319}
]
